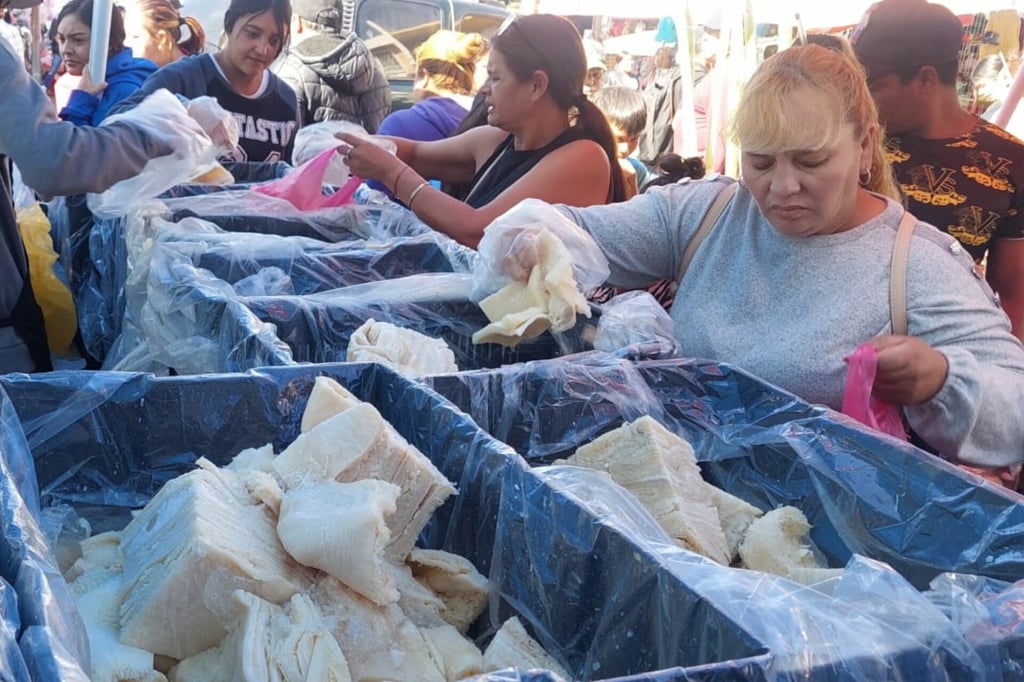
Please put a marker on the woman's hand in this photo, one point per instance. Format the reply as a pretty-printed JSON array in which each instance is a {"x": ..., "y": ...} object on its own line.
[
  {"x": 368, "y": 159},
  {"x": 909, "y": 371},
  {"x": 85, "y": 83}
]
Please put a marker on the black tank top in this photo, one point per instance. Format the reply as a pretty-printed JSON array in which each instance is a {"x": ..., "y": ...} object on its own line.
[{"x": 506, "y": 165}]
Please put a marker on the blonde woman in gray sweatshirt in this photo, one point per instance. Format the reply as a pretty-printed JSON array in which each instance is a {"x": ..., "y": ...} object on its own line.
[{"x": 795, "y": 274}]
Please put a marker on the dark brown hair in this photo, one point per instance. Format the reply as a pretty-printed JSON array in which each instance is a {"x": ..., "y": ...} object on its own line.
[
  {"x": 82, "y": 10},
  {"x": 552, "y": 44},
  {"x": 280, "y": 9}
]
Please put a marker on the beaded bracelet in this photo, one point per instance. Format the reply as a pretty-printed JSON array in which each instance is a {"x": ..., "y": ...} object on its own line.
[
  {"x": 394, "y": 188},
  {"x": 412, "y": 196}
]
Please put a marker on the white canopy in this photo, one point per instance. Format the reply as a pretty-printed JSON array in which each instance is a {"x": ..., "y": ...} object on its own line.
[{"x": 814, "y": 13}]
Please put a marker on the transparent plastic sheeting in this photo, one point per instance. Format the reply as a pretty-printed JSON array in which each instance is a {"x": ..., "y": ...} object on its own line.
[
  {"x": 862, "y": 492},
  {"x": 243, "y": 210},
  {"x": 581, "y": 563},
  {"x": 866, "y": 495},
  {"x": 41, "y": 638},
  {"x": 591, "y": 593},
  {"x": 210, "y": 302},
  {"x": 95, "y": 255},
  {"x": 245, "y": 173},
  {"x": 111, "y": 302}
]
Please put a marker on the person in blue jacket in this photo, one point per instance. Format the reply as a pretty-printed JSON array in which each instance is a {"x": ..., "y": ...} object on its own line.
[{"x": 91, "y": 102}]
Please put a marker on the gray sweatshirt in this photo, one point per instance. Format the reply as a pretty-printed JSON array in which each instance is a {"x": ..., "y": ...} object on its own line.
[
  {"x": 55, "y": 158},
  {"x": 789, "y": 309}
]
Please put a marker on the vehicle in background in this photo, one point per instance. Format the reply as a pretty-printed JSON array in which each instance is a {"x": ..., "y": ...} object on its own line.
[{"x": 392, "y": 29}]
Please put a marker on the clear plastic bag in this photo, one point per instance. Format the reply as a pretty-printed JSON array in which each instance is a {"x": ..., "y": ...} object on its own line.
[
  {"x": 858, "y": 401},
  {"x": 634, "y": 318},
  {"x": 164, "y": 117},
  {"x": 218, "y": 123},
  {"x": 314, "y": 139},
  {"x": 508, "y": 249}
]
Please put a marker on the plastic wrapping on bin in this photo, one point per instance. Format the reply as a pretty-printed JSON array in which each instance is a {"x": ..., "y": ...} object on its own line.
[
  {"x": 862, "y": 493},
  {"x": 40, "y": 638},
  {"x": 245, "y": 211},
  {"x": 187, "y": 314},
  {"x": 245, "y": 173},
  {"x": 161, "y": 325},
  {"x": 590, "y": 575},
  {"x": 313, "y": 266},
  {"x": 885, "y": 622},
  {"x": 106, "y": 442},
  {"x": 634, "y": 317},
  {"x": 317, "y": 328}
]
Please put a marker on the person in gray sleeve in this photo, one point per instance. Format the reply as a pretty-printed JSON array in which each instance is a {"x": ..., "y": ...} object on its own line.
[
  {"x": 334, "y": 75},
  {"x": 796, "y": 272},
  {"x": 55, "y": 158}
]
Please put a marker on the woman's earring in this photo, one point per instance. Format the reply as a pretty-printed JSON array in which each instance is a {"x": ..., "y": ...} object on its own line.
[{"x": 865, "y": 178}]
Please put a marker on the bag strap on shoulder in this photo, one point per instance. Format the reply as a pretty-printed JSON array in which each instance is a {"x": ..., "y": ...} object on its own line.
[
  {"x": 711, "y": 217},
  {"x": 898, "y": 274}
]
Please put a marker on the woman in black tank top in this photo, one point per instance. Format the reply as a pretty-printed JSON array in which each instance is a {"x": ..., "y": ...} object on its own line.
[{"x": 544, "y": 139}]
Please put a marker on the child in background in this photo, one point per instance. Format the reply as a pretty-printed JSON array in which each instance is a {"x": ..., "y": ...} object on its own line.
[{"x": 627, "y": 115}]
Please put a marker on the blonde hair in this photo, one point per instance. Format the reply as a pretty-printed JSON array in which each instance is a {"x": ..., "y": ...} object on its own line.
[
  {"x": 448, "y": 60},
  {"x": 763, "y": 121}
]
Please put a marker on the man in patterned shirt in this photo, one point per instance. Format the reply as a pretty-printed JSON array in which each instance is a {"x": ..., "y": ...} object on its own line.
[{"x": 958, "y": 172}]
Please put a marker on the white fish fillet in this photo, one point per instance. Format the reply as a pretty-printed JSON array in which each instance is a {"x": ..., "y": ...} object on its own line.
[
  {"x": 660, "y": 469},
  {"x": 405, "y": 350},
  {"x": 512, "y": 647},
  {"x": 549, "y": 299},
  {"x": 357, "y": 444},
  {"x": 736, "y": 516},
  {"x": 463, "y": 590},
  {"x": 199, "y": 526},
  {"x": 327, "y": 399},
  {"x": 341, "y": 529},
  {"x": 777, "y": 543},
  {"x": 379, "y": 642}
]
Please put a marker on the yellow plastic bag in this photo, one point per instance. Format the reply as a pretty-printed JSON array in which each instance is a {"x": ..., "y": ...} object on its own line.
[{"x": 51, "y": 294}]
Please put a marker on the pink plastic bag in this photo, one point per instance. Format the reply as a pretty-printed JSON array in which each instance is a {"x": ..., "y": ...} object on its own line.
[
  {"x": 303, "y": 187},
  {"x": 858, "y": 401}
]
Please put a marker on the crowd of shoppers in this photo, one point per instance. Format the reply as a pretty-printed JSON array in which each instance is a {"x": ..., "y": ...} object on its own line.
[{"x": 884, "y": 153}]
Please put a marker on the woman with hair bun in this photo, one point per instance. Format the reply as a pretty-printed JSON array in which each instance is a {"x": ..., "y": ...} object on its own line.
[
  {"x": 159, "y": 33},
  {"x": 443, "y": 91},
  {"x": 544, "y": 139}
]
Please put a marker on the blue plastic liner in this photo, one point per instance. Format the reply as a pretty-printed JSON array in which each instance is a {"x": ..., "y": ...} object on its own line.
[
  {"x": 311, "y": 297},
  {"x": 106, "y": 442},
  {"x": 227, "y": 210},
  {"x": 863, "y": 492},
  {"x": 585, "y": 568},
  {"x": 246, "y": 173},
  {"x": 40, "y": 637}
]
